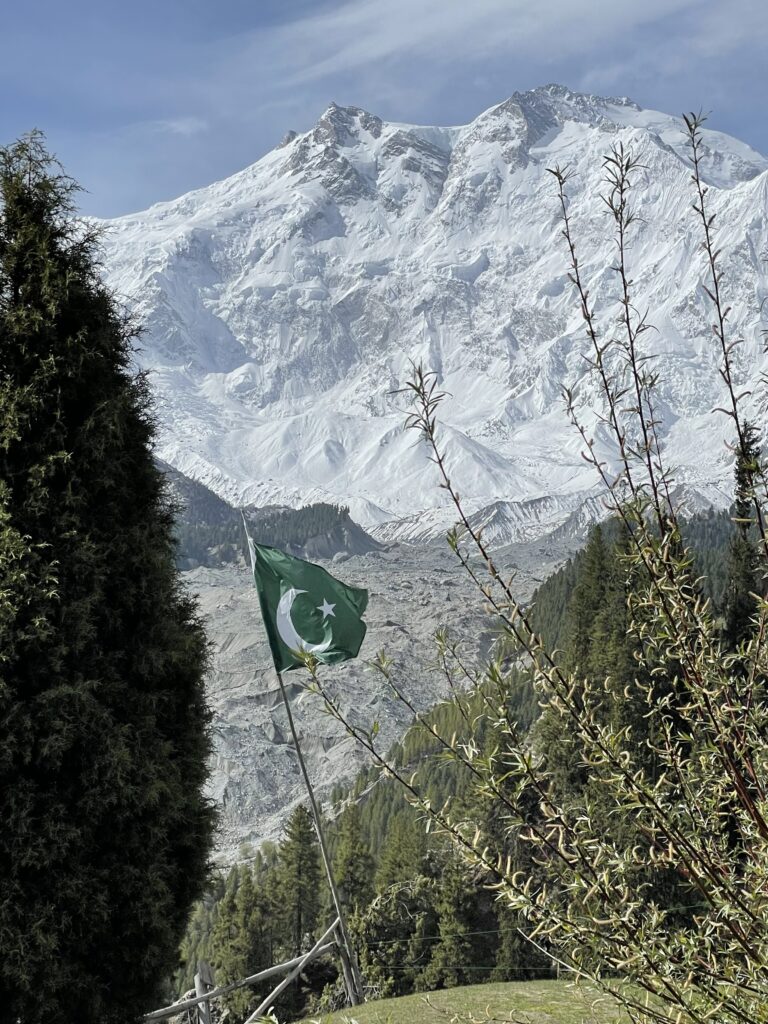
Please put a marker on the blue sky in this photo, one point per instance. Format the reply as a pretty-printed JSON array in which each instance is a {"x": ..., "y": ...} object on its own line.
[{"x": 144, "y": 100}]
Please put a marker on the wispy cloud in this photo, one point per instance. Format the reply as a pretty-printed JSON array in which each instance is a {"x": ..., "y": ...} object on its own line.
[
  {"x": 213, "y": 94},
  {"x": 355, "y": 36},
  {"x": 180, "y": 126}
]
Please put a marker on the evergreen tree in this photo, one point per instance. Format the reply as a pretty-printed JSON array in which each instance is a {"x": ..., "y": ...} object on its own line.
[
  {"x": 452, "y": 957},
  {"x": 405, "y": 846},
  {"x": 103, "y": 722},
  {"x": 241, "y": 943},
  {"x": 196, "y": 944},
  {"x": 584, "y": 604},
  {"x": 742, "y": 583},
  {"x": 298, "y": 881},
  {"x": 353, "y": 863},
  {"x": 395, "y": 932},
  {"x": 586, "y": 600},
  {"x": 516, "y": 958},
  {"x": 224, "y": 935}
]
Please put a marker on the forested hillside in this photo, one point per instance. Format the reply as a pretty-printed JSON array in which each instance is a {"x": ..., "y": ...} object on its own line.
[
  {"x": 210, "y": 532},
  {"x": 419, "y": 922}
]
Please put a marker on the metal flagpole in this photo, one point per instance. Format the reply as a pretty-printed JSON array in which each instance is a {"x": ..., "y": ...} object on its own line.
[{"x": 353, "y": 980}]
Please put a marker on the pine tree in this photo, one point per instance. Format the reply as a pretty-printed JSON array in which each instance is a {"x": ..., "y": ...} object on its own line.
[
  {"x": 395, "y": 934},
  {"x": 452, "y": 956},
  {"x": 517, "y": 959},
  {"x": 586, "y": 600},
  {"x": 241, "y": 941},
  {"x": 298, "y": 881},
  {"x": 742, "y": 584},
  {"x": 352, "y": 862},
  {"x": 583, "y": 607},
  {"x": 402, "y": 856},
  {"x": 223, "y": 940},
  {"x": 103, "y": 722}
]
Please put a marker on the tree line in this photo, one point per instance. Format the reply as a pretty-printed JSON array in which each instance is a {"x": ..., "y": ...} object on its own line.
[{"x": 206, "y": 537}]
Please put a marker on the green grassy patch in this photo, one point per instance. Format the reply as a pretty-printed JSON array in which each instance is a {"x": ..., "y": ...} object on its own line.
[{"x": 529, "y": 1002}]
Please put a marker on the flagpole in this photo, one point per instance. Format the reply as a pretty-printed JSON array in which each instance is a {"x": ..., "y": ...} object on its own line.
[{"x": 353, "y": 980}]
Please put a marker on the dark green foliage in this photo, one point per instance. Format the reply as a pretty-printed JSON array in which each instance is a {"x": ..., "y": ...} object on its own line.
[
  {"x": 226, "y": 941},
  {"x": 598, "y": 645},
  {"x": 586, "y": 601},
  {"x": 395, "y": 935},
  {"x": 403, "y": 851},
  {"x": 353, "y": 863},
  {"x": 210, "y": 532},
  {"x": 516, "y": 958},
  {"x": 196, "y": 945},
  {"x": 103, "y": 722},
  {"x": 241, "y": 941},
  {"x": 708, "y": 534},
  {"x": 743, "y": 556},
  {"x": 265, "y": 912},
  {"x": 315, "y": 531},
  {"x": 298, "y": 881},
  {"x": 454, "y": 954}
]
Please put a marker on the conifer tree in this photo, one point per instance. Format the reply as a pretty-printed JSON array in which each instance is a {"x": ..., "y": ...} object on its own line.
[
  {"x": 241, "y": 941},
  {"x": 517, "y": 959},
  {"x": 196, "y": 944},
  {"x": 394, "y": 934},
  {"x": 353, "y": 863},
  {"x": 586, "y": 600},
  {"x": 402, "y": 856},
  {"x": 742, "y": 584},
  {"x": 298, "y": 880},
  {"x": 452, "y": 957},
  {"x": 223, "y": 940},
  {"x": 584, "y": 607},
  {"x": 103, "y": 722}
]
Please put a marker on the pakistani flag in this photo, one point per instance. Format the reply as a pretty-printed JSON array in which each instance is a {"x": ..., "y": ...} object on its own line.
[{"x": 305, "y": 609}]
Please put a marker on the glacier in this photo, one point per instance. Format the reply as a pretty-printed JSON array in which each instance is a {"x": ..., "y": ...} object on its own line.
[{"x": 283, "y": 307}]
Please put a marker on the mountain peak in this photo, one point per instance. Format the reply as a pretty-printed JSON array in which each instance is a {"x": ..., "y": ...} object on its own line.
[
  {"x": 582, "y": 99},
  {"x": 337, "y": 124},
  {"x": 282, "y": 306},
  {"x": 557, "y": 104}
]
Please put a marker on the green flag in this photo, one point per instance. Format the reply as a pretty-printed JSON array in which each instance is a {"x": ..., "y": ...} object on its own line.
[{"x": 305, "y": 609}]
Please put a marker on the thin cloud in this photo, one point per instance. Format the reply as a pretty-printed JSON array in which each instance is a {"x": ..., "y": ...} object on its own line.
[
  {"x": 355, "y": 36},
  {"x": 180, "y": 126},
  {"x": 201, "y": 106}
]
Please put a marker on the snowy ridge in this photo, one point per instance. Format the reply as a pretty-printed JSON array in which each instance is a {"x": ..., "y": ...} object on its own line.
[{"x": 283, "y": 307}]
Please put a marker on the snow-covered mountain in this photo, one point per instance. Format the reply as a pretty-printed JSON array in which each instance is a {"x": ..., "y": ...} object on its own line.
[{"x": 283, "y": 307}]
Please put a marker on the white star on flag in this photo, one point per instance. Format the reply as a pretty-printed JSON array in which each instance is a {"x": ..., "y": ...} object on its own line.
[{"x": 326, "y": 609}]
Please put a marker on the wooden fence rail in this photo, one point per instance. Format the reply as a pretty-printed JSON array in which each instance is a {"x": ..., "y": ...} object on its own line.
[
  {"x": 316, "y": 950},
  {"x": 293, "y": 966}
]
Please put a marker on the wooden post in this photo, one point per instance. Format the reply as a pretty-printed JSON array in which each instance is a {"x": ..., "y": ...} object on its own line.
[
  {"x": 203, "y": 984},
  {"x": 347, "y": 969},
  {"x": 265, "y": 1004},
  {"x": 353, "y": 981},
  {"x": 253, "y": 979}
]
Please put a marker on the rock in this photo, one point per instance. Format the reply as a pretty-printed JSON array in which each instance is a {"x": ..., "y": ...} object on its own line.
[{"x": 255, "y": 778}]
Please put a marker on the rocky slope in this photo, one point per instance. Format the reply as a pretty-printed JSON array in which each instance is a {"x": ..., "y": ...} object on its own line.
[
  {"x": 413, "y": 590},
  {"x": 283, "y": 307}
]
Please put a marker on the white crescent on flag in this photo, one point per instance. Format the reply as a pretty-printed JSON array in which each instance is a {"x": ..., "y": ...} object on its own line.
[{"x": 287, "y": 630}]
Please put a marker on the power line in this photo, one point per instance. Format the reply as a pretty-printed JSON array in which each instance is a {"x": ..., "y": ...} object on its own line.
[
  {"x": 430, "y": 938},
  {"x": 470, "y": 967}
]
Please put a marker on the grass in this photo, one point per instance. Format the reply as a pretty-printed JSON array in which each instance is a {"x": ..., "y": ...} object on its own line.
[{"x": 529, "y": 1002}]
